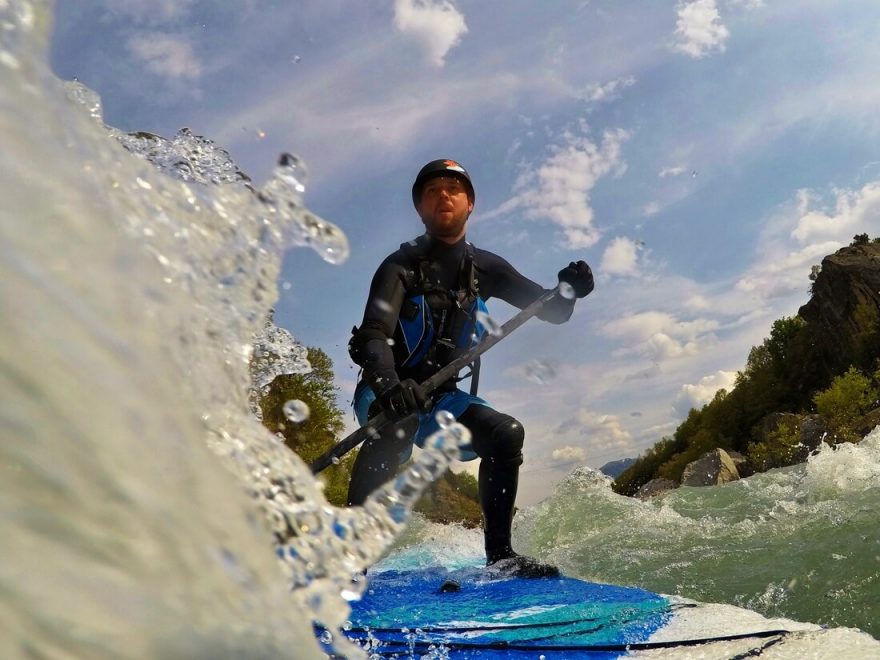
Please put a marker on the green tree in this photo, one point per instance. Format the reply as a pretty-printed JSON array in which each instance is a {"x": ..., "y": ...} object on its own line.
[
  {"x": 646, "y": 467},
  {"x": 314, "y": 435},
  {"x": 860, "y": 239},
  {"x": 781, "y": 447},
  {"x": 866, "y": 318},
  {"x": 848, "y": 398},
  {"x": 453, "y": 498}
]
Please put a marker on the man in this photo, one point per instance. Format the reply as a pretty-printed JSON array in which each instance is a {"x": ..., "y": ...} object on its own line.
[{"x": 423, "y": 312}]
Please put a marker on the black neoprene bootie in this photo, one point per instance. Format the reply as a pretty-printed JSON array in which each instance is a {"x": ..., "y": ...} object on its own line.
[{"x": 517, "y": 565}]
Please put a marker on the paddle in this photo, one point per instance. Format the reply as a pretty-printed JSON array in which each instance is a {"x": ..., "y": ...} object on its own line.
[{"x": 489, "y": 340}]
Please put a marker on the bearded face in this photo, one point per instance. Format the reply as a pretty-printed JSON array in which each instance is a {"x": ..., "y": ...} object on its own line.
[{"x": 445, "y": 207}]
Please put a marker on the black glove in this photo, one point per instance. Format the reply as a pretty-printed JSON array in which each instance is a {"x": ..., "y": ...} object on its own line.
[
  {"x": 404, "y": 398},
  {"x": 579, "y": 276}
]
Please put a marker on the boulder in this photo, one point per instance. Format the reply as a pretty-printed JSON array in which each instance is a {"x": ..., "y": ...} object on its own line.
[
  {"x": 655, "y": 487},
  {"x": 743, "y": 468},
  {"x": 811, "y": 429},
  {"x": 713, "y": 468},
  {"x": 868, "y": 423},
  {"x": 813, "y": 434}
]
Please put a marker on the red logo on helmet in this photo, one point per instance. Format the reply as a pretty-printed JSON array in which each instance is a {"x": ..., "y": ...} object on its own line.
[{"x": 452, "y": 165}]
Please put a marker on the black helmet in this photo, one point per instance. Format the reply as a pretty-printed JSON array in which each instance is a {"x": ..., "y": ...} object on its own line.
[{"x": 440, "y": 168}]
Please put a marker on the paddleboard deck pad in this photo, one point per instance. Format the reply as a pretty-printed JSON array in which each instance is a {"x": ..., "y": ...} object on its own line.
[{"x": 474, "y": 613}]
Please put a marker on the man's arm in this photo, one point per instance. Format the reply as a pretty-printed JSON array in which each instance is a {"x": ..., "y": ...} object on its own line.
[
  {"x": 512, "y": 287},
  {"x": 369, "y": 346}
]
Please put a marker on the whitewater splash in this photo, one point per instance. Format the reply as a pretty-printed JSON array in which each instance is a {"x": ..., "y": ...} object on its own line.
[
  {"x": 142, "y": 498},
  {"x": 799, "y": 542}
]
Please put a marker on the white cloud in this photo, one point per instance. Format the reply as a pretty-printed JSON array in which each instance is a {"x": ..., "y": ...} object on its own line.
[
  {"x": 166, "y": 55},
  {"x": 436, "y": 24},
  {"x": 699, "y": 30},
  {"x": 660, "y": 335},
  {"x": 620, "y": 257},
  {"x": 748, "y": 4},
  {"x": 569, "y": 454},
  {"x": 651, "y": 208},
  {"x": 802, "y": 234},
  {"x": 150, "y": 12},
  {"x": 609, "y": 91},
  {"x": 559, "y": 189},
  {"x": 699, "y": 394},
  {"x": 854, "y": 211},
  {"x": 697, "y": 301},
  {"x": 604, "y": 433},
  {"x": 672, "y": 171}
]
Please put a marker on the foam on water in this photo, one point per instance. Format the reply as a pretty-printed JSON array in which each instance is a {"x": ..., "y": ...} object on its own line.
[{"x": 800, "y": 542}]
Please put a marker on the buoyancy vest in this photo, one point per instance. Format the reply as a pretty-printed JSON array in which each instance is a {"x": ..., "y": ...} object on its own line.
[{"x": 435, "y": 324}]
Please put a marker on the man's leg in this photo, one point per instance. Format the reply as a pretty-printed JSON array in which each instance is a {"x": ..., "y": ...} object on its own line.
[
  {"x": 378, "y": 460},
  {"x": 497, "y": 439}
]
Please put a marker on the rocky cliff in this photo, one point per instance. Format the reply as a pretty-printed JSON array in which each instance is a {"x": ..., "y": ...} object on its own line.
[
  {"x": 843, "y": 314},
  {"x": 804, "y": 357}
]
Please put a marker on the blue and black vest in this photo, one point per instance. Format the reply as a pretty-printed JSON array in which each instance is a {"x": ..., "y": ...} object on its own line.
[{"x": 437, "y": 325}]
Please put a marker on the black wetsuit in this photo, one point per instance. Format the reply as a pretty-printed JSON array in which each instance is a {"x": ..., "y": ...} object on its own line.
[{"x": 497, "y": 438}]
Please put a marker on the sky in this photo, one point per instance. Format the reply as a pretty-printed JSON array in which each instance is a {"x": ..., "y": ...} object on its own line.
[{"x": 700, "y": 155}]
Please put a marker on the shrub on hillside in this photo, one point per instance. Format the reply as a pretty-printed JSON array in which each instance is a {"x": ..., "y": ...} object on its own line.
[
  {"x": 780, "y": 448},
  {"x": 848, "y": 398}
]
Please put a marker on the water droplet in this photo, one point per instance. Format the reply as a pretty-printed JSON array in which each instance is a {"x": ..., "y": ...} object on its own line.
[
  {"x": 335, "y": 460},
  {"x": 400, "y": 433},
  {"x": 297, "y": 59},
  {"x": 286, "y": 285},
  {"x": 292, "y": 171},
  {"x": 296, "y": 410},
  {"x": 9, "y": 60},
  {"x": 326, "y": 637},
  {"x": 539, "y": 371},
  {"x": 444, "y": 418},
  {"x": 492, "y": 326},
  {"x": 567, "y": 291},
  {"x": 390, "y": 341}
]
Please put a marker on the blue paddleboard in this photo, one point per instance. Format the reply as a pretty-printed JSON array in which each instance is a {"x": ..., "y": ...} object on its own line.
[
  {"x": 491, "y": 616},
  {"x": 478, "y": 613}
]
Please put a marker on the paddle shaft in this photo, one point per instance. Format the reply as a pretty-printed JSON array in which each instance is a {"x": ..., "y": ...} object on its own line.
[{"x": 489, "y": 340}]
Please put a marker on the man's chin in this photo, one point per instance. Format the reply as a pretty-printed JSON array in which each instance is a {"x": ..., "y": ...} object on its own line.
[{"x": 446, "y": 232}]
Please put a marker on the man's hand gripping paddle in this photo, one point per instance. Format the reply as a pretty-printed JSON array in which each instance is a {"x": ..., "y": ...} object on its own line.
[{"x": 489, "y": 340}]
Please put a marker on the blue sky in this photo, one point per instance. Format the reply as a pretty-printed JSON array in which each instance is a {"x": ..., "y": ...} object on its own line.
[{"x": 700, "y": 155}]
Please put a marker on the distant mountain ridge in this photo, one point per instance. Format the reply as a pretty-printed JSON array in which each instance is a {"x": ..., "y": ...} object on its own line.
[{"x": 614, "y": 469}]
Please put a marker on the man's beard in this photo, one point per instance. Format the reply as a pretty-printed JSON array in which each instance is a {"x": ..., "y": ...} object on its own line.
[{"x": 446, "y": 229}]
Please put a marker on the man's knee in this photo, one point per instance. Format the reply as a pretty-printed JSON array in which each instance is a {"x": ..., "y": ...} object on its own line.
[{"x": 495, "y": 436}]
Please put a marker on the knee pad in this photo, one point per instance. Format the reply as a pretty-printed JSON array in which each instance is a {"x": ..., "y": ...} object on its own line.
[{"x": 495, "y": 436}]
